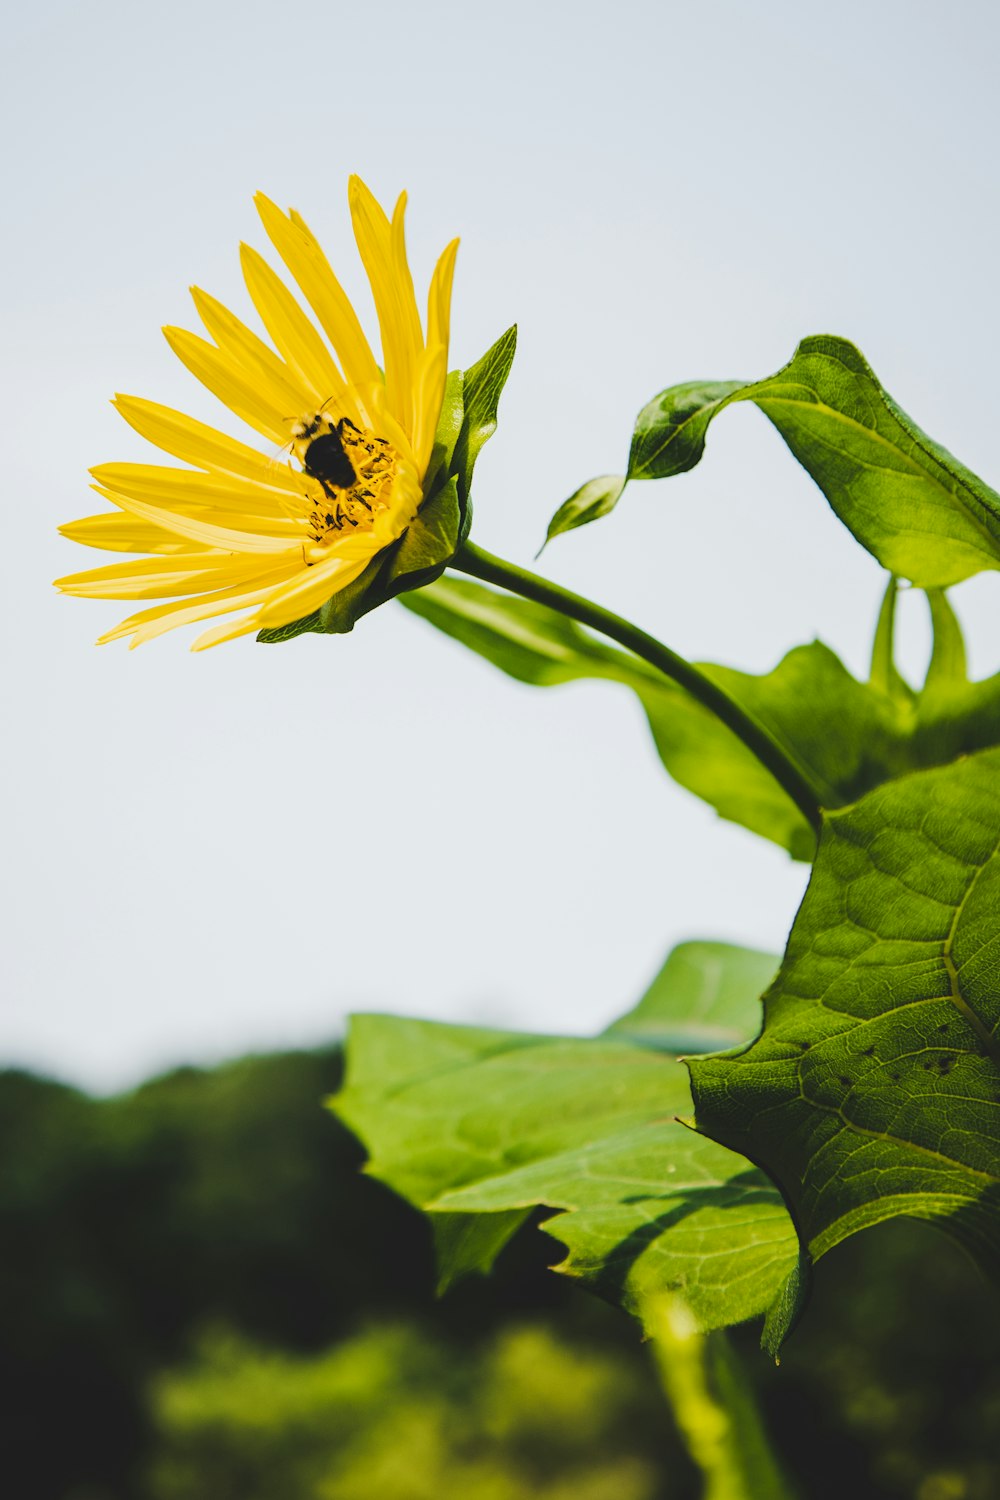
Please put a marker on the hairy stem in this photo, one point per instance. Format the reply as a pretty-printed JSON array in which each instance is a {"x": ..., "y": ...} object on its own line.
[{"x": 757, "y": 738}]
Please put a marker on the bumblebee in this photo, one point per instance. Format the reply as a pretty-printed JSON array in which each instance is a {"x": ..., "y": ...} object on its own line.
[{"x": 323, "y": 454}]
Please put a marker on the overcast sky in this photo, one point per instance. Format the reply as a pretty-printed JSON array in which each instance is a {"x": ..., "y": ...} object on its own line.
[{"x": 655, "y": 192}]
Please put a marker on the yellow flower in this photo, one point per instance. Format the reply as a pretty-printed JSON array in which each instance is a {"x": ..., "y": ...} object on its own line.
[{"x": 280, "y": 533}]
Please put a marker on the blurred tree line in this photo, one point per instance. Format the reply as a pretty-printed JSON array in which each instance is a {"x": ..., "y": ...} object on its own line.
[{"x": 200, "y": 1294}]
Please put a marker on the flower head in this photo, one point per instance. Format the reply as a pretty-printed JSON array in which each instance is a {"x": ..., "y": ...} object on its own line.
[{"x": 276, "y": 534}]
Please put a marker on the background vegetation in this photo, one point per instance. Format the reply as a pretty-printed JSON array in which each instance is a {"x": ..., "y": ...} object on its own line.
[{"x": 200, "y": 1293}]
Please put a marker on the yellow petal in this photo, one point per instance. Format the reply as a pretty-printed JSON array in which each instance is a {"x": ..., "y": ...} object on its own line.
[
  {"x": 228, "y": 632},
  {"x": 292, "y": 530},
  {"x": 159, "y": 484},
  {"x": 283, "y": 387},
  {"x": 150, "y": 622},
  {"x": 403, "y": 281},
  {"x": 439, "y": 297},
  {"x": 310, "y": 268},
  {"x": 313, "y": 587},
  {"x": 400, "y": 343},
  {"x": 220, "y": 374},
  {"x": 199, "y": 531},
  {"x": 384, "y": 424},
  {"x": 431, "y": 377},
  {"x": 404, "y": 502},
  {"x": 115, "y": 532},
  {"x": 159, "y": 578},
  {"x": 296, "y": 337},
  {"x": 195, "y": 443}
]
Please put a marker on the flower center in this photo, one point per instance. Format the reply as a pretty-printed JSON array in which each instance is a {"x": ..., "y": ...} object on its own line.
[{"x": 354, "y": 471}]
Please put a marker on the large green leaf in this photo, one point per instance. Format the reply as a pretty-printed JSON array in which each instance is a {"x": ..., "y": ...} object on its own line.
[
  {"x": 874, "y": 1088},
  {"x": 848, "y": 736},
  {"x": 482, "y": 1127},
  {"x": 905, "y": 497},
  {"x": 705, "y": 998}
]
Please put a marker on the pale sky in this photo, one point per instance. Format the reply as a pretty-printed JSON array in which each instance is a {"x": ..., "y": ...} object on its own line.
[{"x": 655, "y": 192}]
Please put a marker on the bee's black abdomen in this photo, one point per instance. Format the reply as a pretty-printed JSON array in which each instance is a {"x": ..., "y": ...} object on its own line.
[{"x": 326, "y": 461}]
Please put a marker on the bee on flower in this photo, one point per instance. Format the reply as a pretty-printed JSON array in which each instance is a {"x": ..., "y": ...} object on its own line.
[{"x": 236, "y": 533}]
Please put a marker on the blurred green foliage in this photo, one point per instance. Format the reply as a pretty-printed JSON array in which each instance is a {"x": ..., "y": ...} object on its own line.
[
  {"x": 403, "y": 1414},
  {"x": 129, "y": 1222},
  {"x": 228, "y": 1199},
  {"x": 891, "y": 1386}
]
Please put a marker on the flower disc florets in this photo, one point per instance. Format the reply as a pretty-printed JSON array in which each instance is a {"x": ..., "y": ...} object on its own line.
[{"x": 354, "y": 473}]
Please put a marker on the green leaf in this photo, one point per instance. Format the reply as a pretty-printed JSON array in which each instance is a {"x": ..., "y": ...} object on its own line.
[
  {"x": 539, "y": 646},
  {"x": 848, "y": 736},
  {"x": 598, "y": 497},
  {"x": 486, "y": 1126},
  {"x": 905, "y": 498},
  {"x": 952, "y": 715},
  {"x": 669, "y": 435},
  {"x": 483, "y": 384},
  {"x": 874, "y": 1088},
  {"x": 711, "y": 987},
  {"x": 467, "y": 1243},
  {"x": 528, "y": 641}
]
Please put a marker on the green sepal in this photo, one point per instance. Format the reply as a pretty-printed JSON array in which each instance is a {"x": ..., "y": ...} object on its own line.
[
  {"x": 340, "y": 613},
  {"x": 279, "y": 633},
  {"x": 924, "y": 515},
  {"x": 483, "y": 385},
  {"x": 449, "y": 427},
  {"x": 429, "y": 543}
]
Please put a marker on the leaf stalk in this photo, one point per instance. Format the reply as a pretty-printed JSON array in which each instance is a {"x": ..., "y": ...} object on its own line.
[{"x": 758, "y": 739}]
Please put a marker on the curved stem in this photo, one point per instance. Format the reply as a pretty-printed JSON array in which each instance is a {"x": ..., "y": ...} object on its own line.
[{"x": 480, "y": 564}]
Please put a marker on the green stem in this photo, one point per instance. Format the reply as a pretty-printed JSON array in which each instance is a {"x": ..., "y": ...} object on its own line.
[
  {"x": 714, "y": 1407},
  {"x": 759, "y": 740}
]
